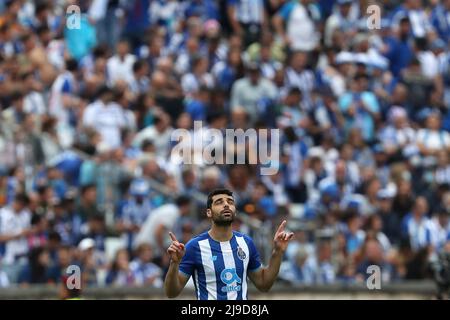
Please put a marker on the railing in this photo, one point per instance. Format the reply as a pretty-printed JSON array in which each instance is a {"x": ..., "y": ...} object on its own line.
[
  {"x": 262, "y": 230},
  {"x": 403, "y": 290}
]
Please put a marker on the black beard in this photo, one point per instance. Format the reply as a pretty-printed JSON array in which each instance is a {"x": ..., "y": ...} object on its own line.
[{"x": 221, "y": 222}]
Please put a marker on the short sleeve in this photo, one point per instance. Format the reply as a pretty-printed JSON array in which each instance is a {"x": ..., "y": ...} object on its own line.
[
  {"x": 187, "y": 264},
  {"x": 372, "y": 102},
  {"x": 286, "y": 10},
  {"x": 255, "y": 260}
]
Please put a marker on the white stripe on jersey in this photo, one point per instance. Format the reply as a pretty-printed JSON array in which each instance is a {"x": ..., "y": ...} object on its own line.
[
  {"x": 228, "y": 260},
  {"x": 241, "y": 242},
  {"x": 196, "y": 284},
  {"x": 210, "y": 272}
]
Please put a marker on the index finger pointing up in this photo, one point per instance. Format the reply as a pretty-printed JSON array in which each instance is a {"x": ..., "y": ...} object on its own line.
[
  {"x": 281, "y": 227},
  {"x": 172, "y": 236}
]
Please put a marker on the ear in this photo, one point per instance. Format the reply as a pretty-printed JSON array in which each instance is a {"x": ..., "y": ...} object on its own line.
[{"x": 208, "y": 213}]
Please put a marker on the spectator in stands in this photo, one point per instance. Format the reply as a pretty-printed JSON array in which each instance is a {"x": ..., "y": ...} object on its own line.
[
  {"x": 373, "y": 255},
  {"x": 300, "y": 19},
  {"x": 250, "y": 91},
  {"x": 15, "y": 228},
  {"x": 162, "y": 219},
  {"x": 134, "y": 211},
  {"x": 37, "y": 270},
  {"x": 417, "y": 226},
  {"x": 121, "y": 274},
  {"x": 145, "y": 272},
  {"x": 59, "y": 268}
]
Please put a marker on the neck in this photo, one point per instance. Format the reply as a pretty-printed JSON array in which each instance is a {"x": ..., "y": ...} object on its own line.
[
  {"x": 221, "y": 233},
  {"x": 417, "y": 216}
]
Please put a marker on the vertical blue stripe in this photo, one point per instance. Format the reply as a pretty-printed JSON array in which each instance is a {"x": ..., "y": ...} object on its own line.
[
  {"x": 239, "y": 265},
  {"x": 203, "y": 292},
  {"x": 219, "y": 266},
  {"x": 427, "y": 235}
]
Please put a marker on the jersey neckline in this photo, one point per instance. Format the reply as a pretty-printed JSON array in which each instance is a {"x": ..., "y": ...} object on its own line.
[{"x": 211, "y": 238}]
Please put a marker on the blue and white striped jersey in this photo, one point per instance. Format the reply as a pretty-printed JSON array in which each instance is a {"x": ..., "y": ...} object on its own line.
[{"x": 219, "y": 269}]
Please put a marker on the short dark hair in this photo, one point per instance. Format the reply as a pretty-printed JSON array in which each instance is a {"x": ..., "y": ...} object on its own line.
[
  {"x": 42, "y": 29},
  {"x": 54, "y": 236},
  {"x": 71, "y": 65},
  {"x": 138, "y": 65},
  {"x": 295, "y": 91},
  {"x": 16, "y": 96},
  {"x": 40, "y": 7},
  {"x": 87, "y": 187},
  {"x": 22, "y": 198},
  {"x": 35, "y": 219},
  {"x": 216, "y": 192},
  {"x": 182, "y": 200}
]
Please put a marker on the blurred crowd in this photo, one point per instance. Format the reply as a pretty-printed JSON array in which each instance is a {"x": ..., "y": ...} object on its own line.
[{"x": 89, "y": 101}]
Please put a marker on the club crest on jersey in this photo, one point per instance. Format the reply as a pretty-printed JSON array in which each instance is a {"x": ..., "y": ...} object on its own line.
[{"x": 241, "y": 253}]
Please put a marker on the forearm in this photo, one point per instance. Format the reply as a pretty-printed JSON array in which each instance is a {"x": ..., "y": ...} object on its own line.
[
  {"x": 7, "y": 237},
  {"x": 277, "y": 23},
  {"x": 172, "y": 285},
  {"x": 270, "y": 273},
  {"x": 69, "y": 101},
  {"x": 265, "y": 24},
  {"x": 233, "y": 21}
]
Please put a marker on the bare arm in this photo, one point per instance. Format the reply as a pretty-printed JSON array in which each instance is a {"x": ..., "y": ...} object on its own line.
[
  {"x": 264, "y": 278},
  {"x": 231, "y": 12},
  {"x": 8, "y": 237},
  {"x": 278, "y": 25},
  {"x": 175, "y": 281}
]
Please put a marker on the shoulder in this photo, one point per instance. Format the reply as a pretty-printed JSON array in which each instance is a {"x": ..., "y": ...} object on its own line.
[
  {"x": 195, "y": 240},
  {"x": 131, "y": 58},
  {"x": 287, "y": 8},
  {"x": 134, "y": 265},
  {"x": 421, "y": 133},
  {"x": 246, "y": 238},
  {"x": 113, "y": 60},
  {"x": 407, "y": 218},
  {"x": 241, "y": 83},
  {"x": 5, "y": 212}
]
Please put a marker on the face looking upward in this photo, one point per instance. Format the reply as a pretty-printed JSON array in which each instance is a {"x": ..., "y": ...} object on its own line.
[{"x": 223, "y": 210}]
